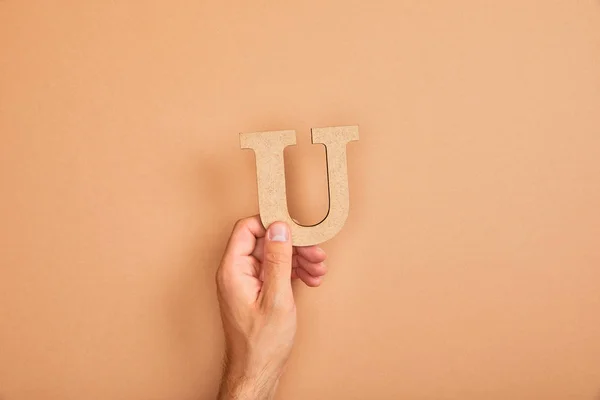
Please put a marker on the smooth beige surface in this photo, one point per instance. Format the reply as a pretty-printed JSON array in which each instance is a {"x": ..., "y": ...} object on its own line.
[
  {"x": 468, "y": 269},
  {"x": 268, "y": 150}
]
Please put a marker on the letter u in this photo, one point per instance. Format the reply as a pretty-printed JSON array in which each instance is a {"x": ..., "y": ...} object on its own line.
[{"x": 272, "y": 200}]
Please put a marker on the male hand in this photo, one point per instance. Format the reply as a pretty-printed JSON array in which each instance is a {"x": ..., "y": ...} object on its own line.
[{"x": 257, "y": 305}]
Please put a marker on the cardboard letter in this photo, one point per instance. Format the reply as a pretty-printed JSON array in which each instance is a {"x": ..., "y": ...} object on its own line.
[{"x": 272, "y": 201}]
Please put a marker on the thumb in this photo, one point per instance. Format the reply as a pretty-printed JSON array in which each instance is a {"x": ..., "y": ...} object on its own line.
[{"x": 277, "y": 265}]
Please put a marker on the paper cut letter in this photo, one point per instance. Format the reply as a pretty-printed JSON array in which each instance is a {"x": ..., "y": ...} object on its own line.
[{"x": 272, "y": 201}]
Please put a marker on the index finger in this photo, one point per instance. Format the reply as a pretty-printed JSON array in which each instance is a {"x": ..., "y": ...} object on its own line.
[{"x": 243, "y": 238}]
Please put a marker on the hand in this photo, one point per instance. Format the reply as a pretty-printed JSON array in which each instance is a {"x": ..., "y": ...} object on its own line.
[{"x": 257, "y": 305}]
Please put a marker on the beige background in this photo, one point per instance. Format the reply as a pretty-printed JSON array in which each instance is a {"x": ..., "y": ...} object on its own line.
[{"x": 469, "y": 267}]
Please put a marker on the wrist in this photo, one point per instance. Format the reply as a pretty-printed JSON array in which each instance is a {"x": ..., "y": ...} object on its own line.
[{"x": 242, "y": 382}]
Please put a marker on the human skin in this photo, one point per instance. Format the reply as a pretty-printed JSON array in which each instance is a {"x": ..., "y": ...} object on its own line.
[{"x": 257, "y": 305}]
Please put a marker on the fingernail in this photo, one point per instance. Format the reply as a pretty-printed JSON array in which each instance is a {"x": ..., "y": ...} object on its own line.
[{"x": 278, "y": 232}]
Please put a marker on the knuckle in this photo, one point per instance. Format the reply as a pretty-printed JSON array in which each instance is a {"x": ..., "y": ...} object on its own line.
[
  {"x": 223, "y": 278},
  {"x": 279, "y": 304},
  {"x": 276, "y": 258},
  {"x": 238, "y": 224}
]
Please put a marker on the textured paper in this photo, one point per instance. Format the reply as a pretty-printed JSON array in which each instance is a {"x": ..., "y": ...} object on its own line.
[{"x": 272, "y": 200}]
